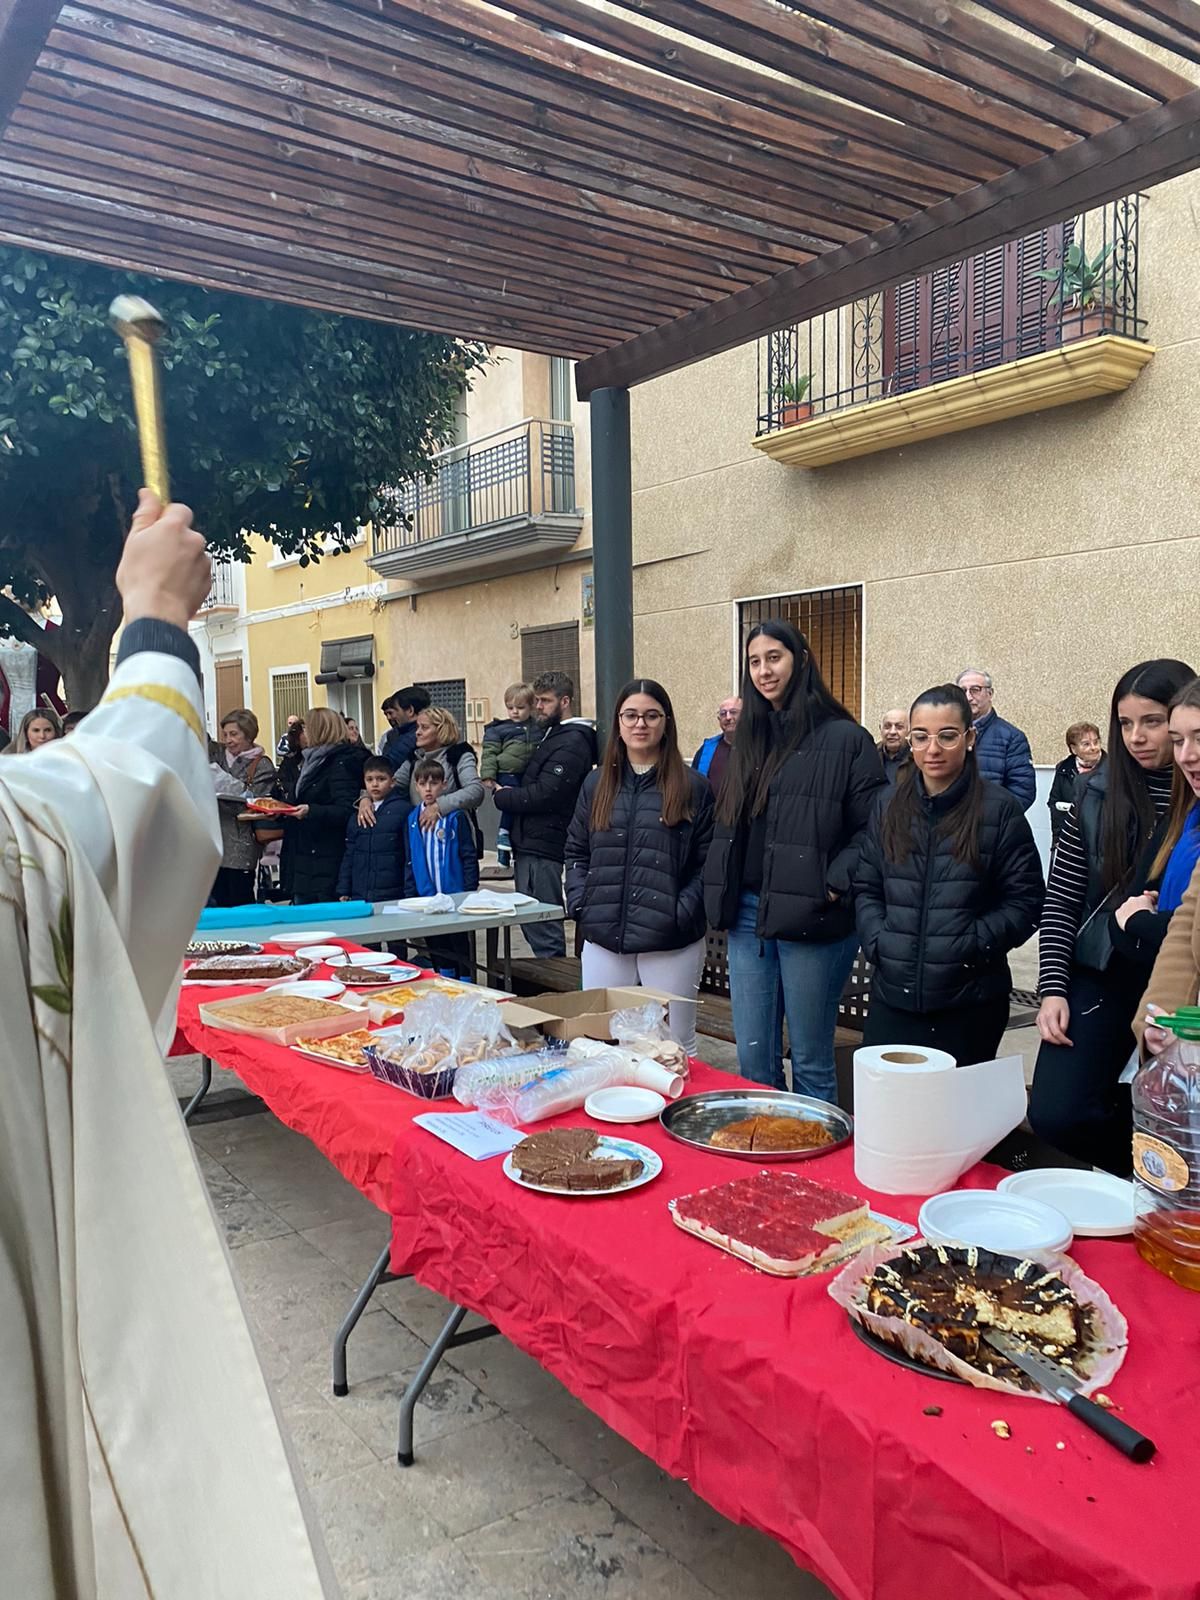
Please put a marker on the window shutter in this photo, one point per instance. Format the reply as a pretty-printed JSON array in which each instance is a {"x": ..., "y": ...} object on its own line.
[{"x": 551, "y": 649}]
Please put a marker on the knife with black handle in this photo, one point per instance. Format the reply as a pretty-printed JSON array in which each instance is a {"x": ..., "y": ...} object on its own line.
[{"x": 1064, "y": 1387}]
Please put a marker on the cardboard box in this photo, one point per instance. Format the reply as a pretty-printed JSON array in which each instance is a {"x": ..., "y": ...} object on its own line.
[{"x": 585, "y": 1013}]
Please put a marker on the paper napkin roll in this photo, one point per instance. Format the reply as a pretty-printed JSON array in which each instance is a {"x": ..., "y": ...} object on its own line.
[{"x": 920, "y": 1121}]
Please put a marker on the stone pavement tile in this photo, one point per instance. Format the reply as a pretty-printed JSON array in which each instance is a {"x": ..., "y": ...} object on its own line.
[
  {"x": 483, "y": 1473},
  {"x": 729, "y": 1559},
  {"x": 448, "y": 1405},
  {"x": 505, "y": 1374},
  {"x": 378, "y": 1346},
  {"x": 440, "y": 1572},
  {"x": 243, "y": 1215},
  {"x": 575, "y": 1435},
  {"x": 577, "y": 1545},
  {"x": 354, "y": 1243},
  {"x": 183, "y": 1074},
  {"x": 324, "y": 1445},
  {"x": 372, "y": 1527}
]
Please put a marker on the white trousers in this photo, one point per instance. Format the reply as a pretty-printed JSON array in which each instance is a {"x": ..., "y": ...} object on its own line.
[{"x": 672, "y": 971}]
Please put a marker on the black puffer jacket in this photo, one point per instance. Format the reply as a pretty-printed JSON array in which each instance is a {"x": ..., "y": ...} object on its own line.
[
  {"x": 819, "y": 803},
  {"x": 539, "y": 812},
  {"x": 636, "y": 886},
  {"x": 312, "y": 848},
  {"x": 937, "y": 930}
]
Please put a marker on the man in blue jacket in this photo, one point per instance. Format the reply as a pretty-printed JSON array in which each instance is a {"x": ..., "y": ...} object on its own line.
[
  {"x": 712, "y": 757},
  {"x": 1001, "y": 749}
]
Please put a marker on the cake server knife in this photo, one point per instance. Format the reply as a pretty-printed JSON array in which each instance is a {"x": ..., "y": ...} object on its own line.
[{"x": 1064, "y": 1387}]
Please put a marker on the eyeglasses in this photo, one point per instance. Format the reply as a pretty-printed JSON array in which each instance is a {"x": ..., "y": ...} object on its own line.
[
  {"x": 724, "y": 716},
  {"x": 630, "y": 719},
  {"x": 977, "y": 688},
  {"x": 946, "y": 737}
]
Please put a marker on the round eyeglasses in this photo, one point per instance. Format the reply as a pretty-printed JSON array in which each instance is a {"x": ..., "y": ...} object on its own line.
[
  {"x": 630, "y": 719},
  {"x": 946, "y": 737}
]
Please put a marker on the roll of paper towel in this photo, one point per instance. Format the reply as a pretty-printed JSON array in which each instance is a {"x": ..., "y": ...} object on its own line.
[{"x": 920, "y": 1121}]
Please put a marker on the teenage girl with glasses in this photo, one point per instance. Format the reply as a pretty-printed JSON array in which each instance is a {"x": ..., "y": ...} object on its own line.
[
  {"x": 635, "y": 851},
  {"x": 948, "y": 882}
]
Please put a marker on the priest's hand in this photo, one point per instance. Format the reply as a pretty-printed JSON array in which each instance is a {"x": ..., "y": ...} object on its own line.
[{"x": 165, "y": 572}]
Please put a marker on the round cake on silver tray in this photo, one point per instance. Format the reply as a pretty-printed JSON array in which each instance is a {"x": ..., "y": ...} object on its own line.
[{"x": 758, "y": 1124}]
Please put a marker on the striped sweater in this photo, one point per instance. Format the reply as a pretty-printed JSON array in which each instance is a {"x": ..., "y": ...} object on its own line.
[{"x": 1066, "y": 894}]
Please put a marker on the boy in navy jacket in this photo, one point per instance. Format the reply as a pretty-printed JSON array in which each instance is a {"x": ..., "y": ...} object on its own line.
[
  {"x": 373, "y": 860},
  {"x": 441, "y": 859}
]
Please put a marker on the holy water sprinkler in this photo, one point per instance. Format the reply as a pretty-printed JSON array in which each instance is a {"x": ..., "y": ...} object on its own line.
[{"x": 141, "y": 327}]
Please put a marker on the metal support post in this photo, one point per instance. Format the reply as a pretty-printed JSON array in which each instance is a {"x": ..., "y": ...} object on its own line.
[
  {"x": 612, "y": 546},
  {"x": 350, "y": 1322},
  {"x": 193, "y": 1104}
]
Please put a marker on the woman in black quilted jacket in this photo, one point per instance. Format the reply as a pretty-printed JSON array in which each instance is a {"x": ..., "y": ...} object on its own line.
[
  {"x": 635, "y": 853},
  {"x": 948, "y": 882}
]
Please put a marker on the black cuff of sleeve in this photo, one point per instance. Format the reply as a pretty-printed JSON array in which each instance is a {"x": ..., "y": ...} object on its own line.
[{"x": 164, "y": 638}]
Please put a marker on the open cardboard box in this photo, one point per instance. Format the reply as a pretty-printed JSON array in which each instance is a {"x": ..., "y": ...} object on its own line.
[{"x": 585, "y": 1013}]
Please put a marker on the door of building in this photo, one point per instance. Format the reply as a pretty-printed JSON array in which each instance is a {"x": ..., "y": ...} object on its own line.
[
  {"x": 229, "y": 684},
  {"x": 831, "y": 621}
]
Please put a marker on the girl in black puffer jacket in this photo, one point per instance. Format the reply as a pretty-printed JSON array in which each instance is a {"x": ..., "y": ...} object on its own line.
[
  {"x": 635, "y": 853},
  {"x": 948, "y": 882}
]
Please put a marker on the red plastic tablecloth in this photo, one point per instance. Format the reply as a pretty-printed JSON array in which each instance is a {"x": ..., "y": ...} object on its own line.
[{"x": 756, "y": 1391}]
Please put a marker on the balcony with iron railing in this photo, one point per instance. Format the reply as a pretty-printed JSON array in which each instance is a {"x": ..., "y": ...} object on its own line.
[
  {"x": 1039, "y": 322},
  {"x": 223, "y": 597},
  {"x": 501, "y": 501}
]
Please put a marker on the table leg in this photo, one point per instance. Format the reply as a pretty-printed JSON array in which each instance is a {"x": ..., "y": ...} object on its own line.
[
  {"x": 508, "y": 956},
  {"x": 448, "y": 1338},
  {"x": 350, "y": 1322},
  {"x": 474, "y": 957},
  {"x": 492, "y": 954},
  {"x": 408, "y": 1402},
  {"x": 193, "y": 1104}
]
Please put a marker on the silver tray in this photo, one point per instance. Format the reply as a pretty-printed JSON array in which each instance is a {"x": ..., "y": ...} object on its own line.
[{"x": 694, "y": 1118}]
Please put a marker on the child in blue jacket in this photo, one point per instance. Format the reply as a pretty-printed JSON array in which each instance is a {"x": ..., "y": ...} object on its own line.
[
  {"x": 441, "y": 859},
  {"x": 373, "y": 861}
]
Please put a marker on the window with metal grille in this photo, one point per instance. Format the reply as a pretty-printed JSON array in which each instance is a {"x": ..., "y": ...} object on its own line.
[
  {"x": 553, "y": 648},
  {"x": 831, "y": 621},
  {"x": 289, "y": 698},
  {"x": 452, "y": 694}
]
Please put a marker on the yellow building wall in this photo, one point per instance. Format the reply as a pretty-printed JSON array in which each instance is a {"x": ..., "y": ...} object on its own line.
[{"x": 1053, "y": 550}]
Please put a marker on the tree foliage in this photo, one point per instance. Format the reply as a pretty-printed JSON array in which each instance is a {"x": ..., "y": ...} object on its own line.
[{"x": 281, "y": 421}]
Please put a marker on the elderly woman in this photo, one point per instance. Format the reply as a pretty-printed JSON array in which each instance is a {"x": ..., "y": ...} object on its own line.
[
  {"x": 244, "y": 773},
  {"x": 36, "y": 728},
  {"x": 1086, "y": 755},
  {"x": 438, "y": 736},
  {"x": 330, "y": 780}
]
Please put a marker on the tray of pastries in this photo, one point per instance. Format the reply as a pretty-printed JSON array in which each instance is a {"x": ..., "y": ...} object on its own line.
[
  {"x": 281, "y": 1018},
  {"x": 201, "y": 949},
  {"x": 780, "y": 1222},
  {"x": 345, "y": 1050},
  {"x": 758, "y": 1124}
]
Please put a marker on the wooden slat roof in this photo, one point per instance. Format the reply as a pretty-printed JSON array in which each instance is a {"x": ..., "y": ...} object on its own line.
[{"x": 635, "y": 184}]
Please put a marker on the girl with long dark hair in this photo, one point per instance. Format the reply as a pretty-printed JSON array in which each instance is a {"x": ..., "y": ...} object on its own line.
[
  {"x": 1095, "y": 951},
  {"x": 798, "y": 793},
  {"x": 634, "y": 855},
  {"x": 948, "y": 882}
]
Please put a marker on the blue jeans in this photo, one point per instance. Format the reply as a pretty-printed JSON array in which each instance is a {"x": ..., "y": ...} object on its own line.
[{"x": 771, "y": 978}]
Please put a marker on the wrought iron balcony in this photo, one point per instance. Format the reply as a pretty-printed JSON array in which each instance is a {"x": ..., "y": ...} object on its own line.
[
  {"x": 223, "y": 596},
  {"x": 924, "y": 357},
  {"x": 503, "y": 500}
]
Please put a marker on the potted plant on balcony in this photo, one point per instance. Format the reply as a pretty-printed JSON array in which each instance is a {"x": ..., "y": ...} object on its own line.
[
  {"x": 791, "y": 402},
  {"x": 1084, "y": 289}
]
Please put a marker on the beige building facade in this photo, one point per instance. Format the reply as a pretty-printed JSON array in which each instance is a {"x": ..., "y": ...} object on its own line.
[{"x": 1054, "y": 549}]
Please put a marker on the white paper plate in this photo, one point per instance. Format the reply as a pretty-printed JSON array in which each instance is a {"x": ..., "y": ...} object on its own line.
[
  {"x": 320, "y": 952},
  {"x": 369, "y": 958},
  {"x": 624, "y": 1104},
  {"x": 293, "y": 941},
  {"x": 1096, "y": 1204},
  {"x": 311, "y": 988},
  {"x": 616, "y": 1148},
  {"x": 1006, "y": 1223}
]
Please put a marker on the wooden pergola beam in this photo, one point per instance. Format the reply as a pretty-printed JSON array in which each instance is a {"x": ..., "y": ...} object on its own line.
[
  {"x": 1157, "y": 144},
  {"x": 24, "y": 28}
]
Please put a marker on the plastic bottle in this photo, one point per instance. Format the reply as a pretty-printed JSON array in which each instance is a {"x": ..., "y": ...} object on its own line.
[{"x": 1166, "y": 1153}]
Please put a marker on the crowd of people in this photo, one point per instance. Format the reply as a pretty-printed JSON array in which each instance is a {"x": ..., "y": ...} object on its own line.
[{"x": 797, "y": 834}]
